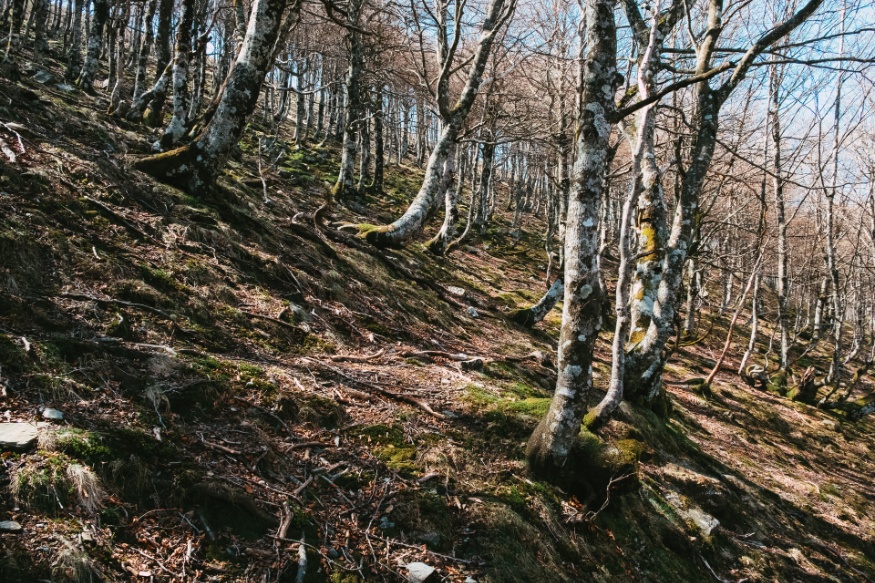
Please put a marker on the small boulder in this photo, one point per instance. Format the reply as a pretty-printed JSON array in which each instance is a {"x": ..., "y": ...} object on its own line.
[
  {"x": 9, "y": 526},
  {"x": 421, "y": 573},
  {"x": 17, "y": 436},
  {"x": 52, "y": 414}
]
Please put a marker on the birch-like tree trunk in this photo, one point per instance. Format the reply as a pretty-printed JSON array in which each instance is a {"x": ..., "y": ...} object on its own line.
[
  {"x": 175, "y": 130},
  {"x": 345, "y": 178},
  {"x": 781, "y": 287},
  {"x": 413, "y": 219},
  {"x": 145, "y": 50},
  {"x": 438, "y": 244},
  {"x": 550, "y": 446},
  {"x": 74, "y": 54},
  {"x": 95, "y": 35},
  {"x": 643, "y": 168},
  {"x": 195, "y": 166},
  {"x": 646, "y": 355}
]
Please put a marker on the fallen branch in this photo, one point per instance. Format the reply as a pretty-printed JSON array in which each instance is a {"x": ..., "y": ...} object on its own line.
[
  {"x": 114, "y": 302},
  {"x": 378, "y": 389},
  {"x": 270, "y": 319},
  {"x": 353, "y": 358},
  {"x": 268, "y": 413}
]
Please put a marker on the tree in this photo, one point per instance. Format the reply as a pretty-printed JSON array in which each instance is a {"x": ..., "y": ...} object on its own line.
[
  {"x": 196, "y": 166},
  {"x": 552, "y": 442}
]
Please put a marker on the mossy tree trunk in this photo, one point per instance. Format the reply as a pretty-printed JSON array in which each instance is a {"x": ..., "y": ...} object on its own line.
[
  {"x": 195, "y": 166},
  {"x": 646, "y": 356},
  {"x": 414, "y": 218},
  {"x": 552, "y": 441},
  {"x": 645, "y": 176}
]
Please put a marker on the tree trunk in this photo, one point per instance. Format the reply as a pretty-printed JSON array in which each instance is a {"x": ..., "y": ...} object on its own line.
[
  {"x": 344, "y": 185},
  {"x": 196, "y": 166},
  {"x": 145, "y": 50},
  {"x": 438, "y": 245},
  {"x": 95, "y": 35},
  {"x": 162, "y": 40},
  {"x": 74, "y": 55},
  {"x": 413, "y": 220},
  {"x": 551, "y": 444},
  {"x": 175, "y": 130},
  {"x": 379, "y": 150}
]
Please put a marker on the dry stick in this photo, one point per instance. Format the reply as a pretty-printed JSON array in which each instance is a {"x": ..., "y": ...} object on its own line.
[
  {"x": 378, "y": 389},
  {"x": 114, "y": 302},
  {"x": 720, "y": 360},
  {"x": 270, "y": 319},
  {"x": 268, "y": 413},
  {"x": 352, "y": 358}
]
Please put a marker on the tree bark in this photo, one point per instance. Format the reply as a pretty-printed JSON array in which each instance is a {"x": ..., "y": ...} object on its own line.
[
  {"x": 175, "y": 130},
  {"x": 551, "y": 444},
  {"x": 413, "y": 220},
  {"x": 196, "y": 166},
  {"x": 95, "y": 35}
]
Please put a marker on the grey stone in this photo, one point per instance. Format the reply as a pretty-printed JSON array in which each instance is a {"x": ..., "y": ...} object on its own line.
[
  {"x": 17, "y": 436},
  {"x": 472, "y": 312},
  {"x": 421, "y": 573},
  {"x": 456, "y": 291},
  {"x": 43, "y": 77},
  {"x": 9, "y": 526},
  {"x": 52, "y": 414}
]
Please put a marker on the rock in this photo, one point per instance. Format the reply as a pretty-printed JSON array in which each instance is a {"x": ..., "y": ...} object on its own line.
[
  {"x": 9, "y": 526},
  {"x": 43, "y": 77},
  {"x": 470, "y": 580},
  {"x": 456, "y": 291},
  {"x": 17, "y": 436},
  {"x": 52, "y": 414},
  {"x": 65, "y": 87},
  {"x": 432, "y": 539},
  {"x": 692, "y": 514},
  {"x": 704, "y": 521},
  {"x": 472, "y": 312},
  {"x": 421, "y": 573},
  {"x": 829, "y": 424},
  {"x": 475, "y": 364}
]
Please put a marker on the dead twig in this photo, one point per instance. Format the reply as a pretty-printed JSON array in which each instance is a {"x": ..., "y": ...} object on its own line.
[
  {"x": 378, "y": 389},
  {"x": 113, "y": 302},
  {"x": 353, "y": 358}
]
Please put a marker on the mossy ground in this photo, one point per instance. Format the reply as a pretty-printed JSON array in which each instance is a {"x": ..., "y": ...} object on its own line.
[{"x": 208, "y": 379}]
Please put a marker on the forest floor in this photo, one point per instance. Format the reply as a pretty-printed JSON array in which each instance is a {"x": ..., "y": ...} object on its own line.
[{"x": 245, "y": 393}]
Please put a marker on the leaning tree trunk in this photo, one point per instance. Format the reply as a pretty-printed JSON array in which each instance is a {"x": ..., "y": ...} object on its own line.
[
  {"x": 451, "y": 212},
  {"x": 534, "y": 314},
  {"x": 549, "y": 451},
  {"x": 95, "y": 34},
  {"x": 413, "y": 220},
  {"x": 195, "y": 166}
]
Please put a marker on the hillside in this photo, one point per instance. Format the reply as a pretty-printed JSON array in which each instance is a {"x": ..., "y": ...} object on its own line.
[{"x": 246, "y": 393}]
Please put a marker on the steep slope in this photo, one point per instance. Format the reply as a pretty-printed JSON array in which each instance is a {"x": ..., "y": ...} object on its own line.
[{"x": 255, "y": 394}]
